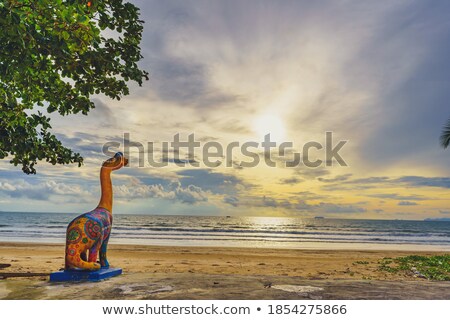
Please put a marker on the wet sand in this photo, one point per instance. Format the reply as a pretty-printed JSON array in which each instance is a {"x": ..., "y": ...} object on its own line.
[{"x": 159, "y": 272}]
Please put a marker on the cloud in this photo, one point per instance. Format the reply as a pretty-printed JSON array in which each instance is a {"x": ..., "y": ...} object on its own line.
[
  {"x": 266, "y": 201},
  {"x": 340, "y": 208},
  {"x": 233, "y": 126},
  {"x": 338, "y": 178},
  {"x": 215, "y": 182},
  {"x": 295, "y": 205},
  {"x": 190, "y": 194},
  {"x": 407, "y": 203},
  {"x": 417, "y": 181},
  {"x": 182, "y": 79},
  {"x": 292, "y": 180},
  {"x": 102, "y": 113},
  {"x": 89, "y": 145},
  {"x": 406, "y": 115},
  {"x": 386, "y": 182},
  {"x": 231, "y": 200},
  {"x": 311, "y": 173},
  {"x": 308, "y": 195},
  {"x": 326, "y": 207},
  {"x": 270, "y": 202},
  {"x": 185, "y": 82},
  {"x": 397, "y": 196},
  {"x": 43, "y": 190}
]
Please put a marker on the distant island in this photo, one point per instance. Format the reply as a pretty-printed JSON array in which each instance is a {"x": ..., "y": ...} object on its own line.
[{"x": 436, "y": 219}]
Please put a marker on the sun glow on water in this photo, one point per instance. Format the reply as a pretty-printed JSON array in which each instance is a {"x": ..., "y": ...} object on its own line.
[{"x": 276, "y": 223}]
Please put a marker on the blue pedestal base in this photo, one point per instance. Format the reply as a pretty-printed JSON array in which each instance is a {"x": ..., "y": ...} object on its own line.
[{"x": 84, "y": 275}]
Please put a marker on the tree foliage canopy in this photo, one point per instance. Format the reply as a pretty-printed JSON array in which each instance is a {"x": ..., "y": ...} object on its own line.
[
  {"x": 445, "y": 135},
  {"x": 55, "y": 54}
]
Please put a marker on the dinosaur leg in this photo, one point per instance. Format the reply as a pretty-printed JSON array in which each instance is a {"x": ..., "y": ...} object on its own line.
[
  {"x": 93, "y": 252},
  {"x": 103, "y": 259},
  {"x": 82, "y": 236}
]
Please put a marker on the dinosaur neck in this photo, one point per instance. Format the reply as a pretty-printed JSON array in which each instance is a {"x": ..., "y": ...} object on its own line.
[{"x": 106, "y": 199}]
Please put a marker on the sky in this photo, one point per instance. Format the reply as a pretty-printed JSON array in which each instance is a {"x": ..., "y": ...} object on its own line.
[{"x": 375, "y": 73}]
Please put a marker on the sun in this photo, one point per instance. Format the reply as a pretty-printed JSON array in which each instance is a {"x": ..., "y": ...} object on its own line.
[{"x": 269, "y": 123}]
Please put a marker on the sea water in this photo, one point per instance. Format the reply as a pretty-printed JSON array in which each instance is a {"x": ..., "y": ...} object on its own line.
[{"x": 266, "y": 232}]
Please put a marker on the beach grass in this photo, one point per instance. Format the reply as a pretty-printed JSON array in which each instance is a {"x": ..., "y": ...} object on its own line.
[{"x": 435, "y": 267}]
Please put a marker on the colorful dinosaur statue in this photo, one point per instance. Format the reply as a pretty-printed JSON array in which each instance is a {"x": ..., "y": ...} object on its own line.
[{"x": 88, "y": 234}]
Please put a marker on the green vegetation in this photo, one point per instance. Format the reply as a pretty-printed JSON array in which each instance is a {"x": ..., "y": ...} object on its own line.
[
  {"x": 445, "y": 136},
  {"x": 429, "y": 267},
  {"x": 54, "y": 55}
]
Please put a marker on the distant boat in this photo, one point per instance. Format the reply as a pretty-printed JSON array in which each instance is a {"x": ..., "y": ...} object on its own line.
[{"x": 319, "y": 217}]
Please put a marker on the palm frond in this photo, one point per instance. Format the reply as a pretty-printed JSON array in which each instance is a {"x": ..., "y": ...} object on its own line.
[{"x": 445, "y": 135}]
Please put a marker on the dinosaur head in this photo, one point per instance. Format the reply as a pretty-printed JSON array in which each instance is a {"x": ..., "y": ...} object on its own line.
[{"x": 116, "y": 162}]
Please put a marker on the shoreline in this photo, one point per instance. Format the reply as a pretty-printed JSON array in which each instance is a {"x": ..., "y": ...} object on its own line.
[{"x": 317, "y": 246}]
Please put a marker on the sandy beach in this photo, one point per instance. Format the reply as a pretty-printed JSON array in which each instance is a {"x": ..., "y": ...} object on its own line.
[{"x": 160, "y": 272}]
